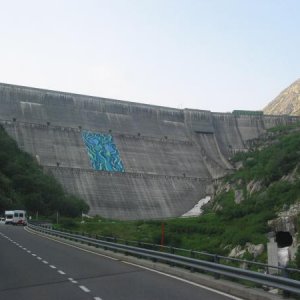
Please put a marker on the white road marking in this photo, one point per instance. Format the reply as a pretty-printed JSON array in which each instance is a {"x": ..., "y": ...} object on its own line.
[
  {"x": 72, "y": 280},
  {"x": 186, "y": 281},
  {"x": 73, "y": 246},
  {"x": 82, "y": 287},
  {"x": 85, "y": 289}
]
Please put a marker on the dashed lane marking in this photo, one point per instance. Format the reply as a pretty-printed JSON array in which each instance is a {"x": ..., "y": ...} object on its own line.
[
  {"x": 73, "y": 246},
  {"x": 45, "y": 262},
  {"x": 85, "y": 289},
  {"x": 72, "y": 280},
  {"x": 82, "y": 287}
]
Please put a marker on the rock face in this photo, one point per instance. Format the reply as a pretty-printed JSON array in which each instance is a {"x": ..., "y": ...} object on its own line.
[
  {"x": 287, "y": 102},
  {"x": 239, "y": 251},
  {"x": 287, "y": 220}
]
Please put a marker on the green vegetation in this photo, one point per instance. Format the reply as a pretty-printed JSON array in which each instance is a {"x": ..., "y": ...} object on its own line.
[
  {"x": 23, "y": 185},
  {"x": 224, "y": 223}
]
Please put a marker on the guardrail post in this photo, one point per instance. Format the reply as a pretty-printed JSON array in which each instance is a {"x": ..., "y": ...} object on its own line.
[
  {"x": 172, "y": 251},
  {"x": 97, "y": 238},
  {"x": 155, "y": 248},
  {"x": 89, "y": 236},
  {"x": 285, "y": 274},
  {"x": 245, "y": 265},
  {"x": 115, "y": 241},
  {"x": 216, "y": 260},
  {"x": 139, "y": 246},
  {"x": 192, "y": 255}
]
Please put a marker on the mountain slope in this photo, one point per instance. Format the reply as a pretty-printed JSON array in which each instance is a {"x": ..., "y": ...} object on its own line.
[{"x": 287, "y": 102}]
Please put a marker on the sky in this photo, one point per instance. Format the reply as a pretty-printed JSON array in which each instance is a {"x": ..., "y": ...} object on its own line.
[{"x": 217, "y": 55}]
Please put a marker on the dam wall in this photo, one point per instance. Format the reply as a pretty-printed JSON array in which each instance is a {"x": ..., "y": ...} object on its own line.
[
  {"x": 227, "y": 134},
  {"x": 132, "y": 196},
  {"x": 128, "y": 160}
]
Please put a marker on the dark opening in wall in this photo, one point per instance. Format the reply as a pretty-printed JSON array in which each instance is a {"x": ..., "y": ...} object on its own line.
[{"x": 283, "y": 239}]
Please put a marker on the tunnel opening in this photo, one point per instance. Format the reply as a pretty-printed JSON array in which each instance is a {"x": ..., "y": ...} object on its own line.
[{"x": 283, "y": 239}]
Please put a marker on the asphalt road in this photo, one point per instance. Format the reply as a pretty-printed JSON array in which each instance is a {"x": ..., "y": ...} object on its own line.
[{"x": 34, "y": 267}]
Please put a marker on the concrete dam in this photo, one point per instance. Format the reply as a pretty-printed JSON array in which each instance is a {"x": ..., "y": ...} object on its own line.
[{"x": 128, "y": 160}]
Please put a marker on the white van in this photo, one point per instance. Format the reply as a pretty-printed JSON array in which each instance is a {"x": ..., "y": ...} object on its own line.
[
  {"x": 19, "y": 217},
  {"x": 9, "y": 215}
]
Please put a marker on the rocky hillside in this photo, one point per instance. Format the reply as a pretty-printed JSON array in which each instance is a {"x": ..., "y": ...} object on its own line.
[{"x": 287, "y": 102}]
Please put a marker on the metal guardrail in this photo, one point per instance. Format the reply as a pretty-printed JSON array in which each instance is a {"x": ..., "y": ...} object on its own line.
[
  {"x": 285, "y": 284},
  {"x": 246, "y": 264}
]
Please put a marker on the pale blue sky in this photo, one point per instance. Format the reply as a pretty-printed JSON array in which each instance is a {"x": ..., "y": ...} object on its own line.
[{"x": 217, "y": 55}]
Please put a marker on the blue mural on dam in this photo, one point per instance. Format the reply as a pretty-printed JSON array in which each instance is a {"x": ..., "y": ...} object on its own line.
[{"x": 102, "y": 152}]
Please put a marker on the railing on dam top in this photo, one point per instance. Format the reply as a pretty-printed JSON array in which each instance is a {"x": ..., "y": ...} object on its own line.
[{"x": 189, "y": 259}]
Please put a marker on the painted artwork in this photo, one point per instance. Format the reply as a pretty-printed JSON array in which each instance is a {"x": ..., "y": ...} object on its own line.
[{"x": 102, "y": 152}]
